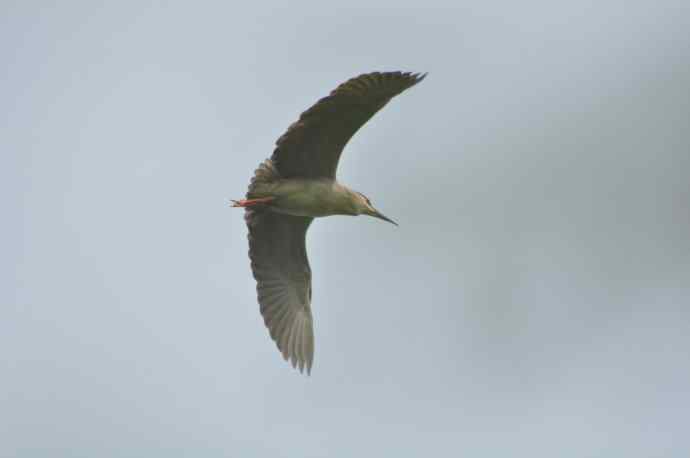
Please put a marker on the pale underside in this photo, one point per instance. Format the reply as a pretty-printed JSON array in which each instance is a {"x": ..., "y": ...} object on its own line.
[{"x": 306, "y": 197}]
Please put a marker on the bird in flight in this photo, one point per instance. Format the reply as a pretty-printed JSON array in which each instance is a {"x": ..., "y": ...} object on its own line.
[{"x": 297, "y": 184}]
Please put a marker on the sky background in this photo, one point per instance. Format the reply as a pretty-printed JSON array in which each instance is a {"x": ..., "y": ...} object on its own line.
[{"x": 534, "y": 301}]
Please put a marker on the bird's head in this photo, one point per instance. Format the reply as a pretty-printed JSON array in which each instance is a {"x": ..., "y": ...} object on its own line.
[{"x": 363, "y": 207}]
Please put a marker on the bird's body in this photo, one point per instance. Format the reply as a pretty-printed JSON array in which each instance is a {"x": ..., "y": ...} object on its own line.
[
  {"x": 315, "y": 197},
  {"x": 298, "y": 184}
]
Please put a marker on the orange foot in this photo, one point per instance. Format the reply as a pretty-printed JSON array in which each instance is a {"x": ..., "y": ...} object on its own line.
[{"x": 251, "y": 202}]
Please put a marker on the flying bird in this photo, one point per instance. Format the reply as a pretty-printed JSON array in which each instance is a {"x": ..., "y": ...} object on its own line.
[{"x": 297, "y": 184}]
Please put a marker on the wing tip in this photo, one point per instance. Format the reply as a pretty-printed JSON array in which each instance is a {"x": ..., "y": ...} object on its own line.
[
  {"x": 420, "y": 76},
  {"x": 293, "y": 335},
  {"x": 416, "y": 77}
]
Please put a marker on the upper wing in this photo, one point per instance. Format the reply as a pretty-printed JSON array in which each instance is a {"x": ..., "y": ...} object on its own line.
[
  {"x": 283, "y": 281},
  {"x": 312, "y": 146}
]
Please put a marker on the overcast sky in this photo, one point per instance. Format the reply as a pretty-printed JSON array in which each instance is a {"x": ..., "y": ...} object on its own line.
[{"x": 534, "y": 301}]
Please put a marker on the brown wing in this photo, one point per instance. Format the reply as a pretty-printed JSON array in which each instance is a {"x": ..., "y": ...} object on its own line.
[
  {"x": 312, "y": 146},
  {"x": 283, "y": 281}
]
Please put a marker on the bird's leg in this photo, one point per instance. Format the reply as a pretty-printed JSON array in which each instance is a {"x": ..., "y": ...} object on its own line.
[{"x": 251, "y": 202}]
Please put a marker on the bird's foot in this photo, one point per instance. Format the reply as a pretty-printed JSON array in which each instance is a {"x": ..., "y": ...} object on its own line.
[{"x": 251, "y": 202}]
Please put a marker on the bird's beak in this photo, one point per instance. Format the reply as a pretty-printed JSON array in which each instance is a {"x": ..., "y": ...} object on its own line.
[{"x": 376, "y": 214}]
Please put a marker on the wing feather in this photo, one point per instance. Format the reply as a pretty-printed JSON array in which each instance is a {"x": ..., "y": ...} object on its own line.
[
  {"x": 283, "y": 281},
  {"x": 311, "y": 147}
]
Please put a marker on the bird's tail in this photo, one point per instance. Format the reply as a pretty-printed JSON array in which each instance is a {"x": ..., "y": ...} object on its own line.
[{"x": 263, "y": 181}]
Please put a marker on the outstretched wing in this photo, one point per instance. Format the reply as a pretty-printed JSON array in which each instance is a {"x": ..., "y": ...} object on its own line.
[
  {"x": 311, "y": 147},
  {"x": 283, "y": 281}
]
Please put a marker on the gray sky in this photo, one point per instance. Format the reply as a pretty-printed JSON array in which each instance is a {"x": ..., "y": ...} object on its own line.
[{"x": 533, "y": 301}]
